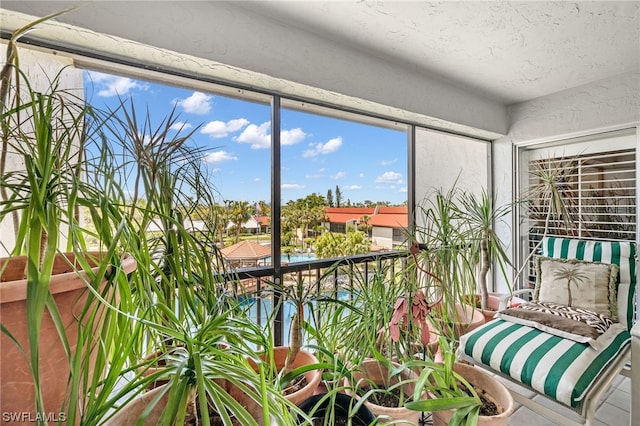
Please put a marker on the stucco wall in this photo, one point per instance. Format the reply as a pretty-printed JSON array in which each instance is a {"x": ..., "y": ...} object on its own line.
[
  {"x": 40, "y": 70},
  {"x": 382, "y": 237},
  {"x": 604, "y": 105}
]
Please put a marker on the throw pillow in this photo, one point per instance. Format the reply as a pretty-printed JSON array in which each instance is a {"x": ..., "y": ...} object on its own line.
[{"x": 577, "y": 283}]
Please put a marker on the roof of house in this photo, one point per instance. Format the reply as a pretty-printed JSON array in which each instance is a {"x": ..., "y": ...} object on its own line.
[
  {"x": 263, "y": 220},
  {"x": 347, "y": 214},
  {"x": 246, "y": 250},
  {"x": 392, "y": 210},
  {"x": 390, "y": 217}
]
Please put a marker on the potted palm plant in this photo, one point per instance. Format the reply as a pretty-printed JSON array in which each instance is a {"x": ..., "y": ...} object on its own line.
[
  {"x": 207, "y": 377},
  {"x": 56, "y": 295},
  {"x": 459, "y": 394},
  {"x": 295, "y": 369},
  {"x": 480, "y": 214},
  {"x": 445, "y": 239},
  {"x": 195, "y": 359},
  {"x": 378, "y": 375}
]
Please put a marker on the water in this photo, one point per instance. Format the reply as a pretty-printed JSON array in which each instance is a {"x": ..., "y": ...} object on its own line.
[
  {"x": 291, "y": 258},
  {"x": 288, "y": 311}
]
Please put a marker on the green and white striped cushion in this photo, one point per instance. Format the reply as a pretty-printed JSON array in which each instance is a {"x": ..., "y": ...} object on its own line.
[
  {"x": 621, "y": 253},
  {"x": 559, "y": 368}
]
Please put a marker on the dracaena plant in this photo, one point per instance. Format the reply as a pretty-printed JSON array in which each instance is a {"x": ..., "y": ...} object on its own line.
[
  {"x": 447, "y": 254},
  {"x": 447, "y": 389},
  {"x": 46, "y": 131},
  {"x": 167, "y": 183},
  {"x": 194, "y": 335},
  {"x": 480, "y": 213},
  {"x": 211, "y": 373}
]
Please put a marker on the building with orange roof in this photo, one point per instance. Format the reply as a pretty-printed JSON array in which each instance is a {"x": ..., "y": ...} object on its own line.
[
  {"x": 340, "y": 217},
  {"x": 388, "y": 224}
]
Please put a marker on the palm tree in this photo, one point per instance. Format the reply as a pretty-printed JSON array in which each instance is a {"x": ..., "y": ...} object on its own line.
[
  {"x": 239, "y": 213},
  {"x": 572, "y": 275},
  {"x": 364, "y": 224},
  {"x": 217, "y": 219}
]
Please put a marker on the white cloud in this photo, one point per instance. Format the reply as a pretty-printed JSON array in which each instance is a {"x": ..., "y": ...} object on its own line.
[
  {"x": 292, "y": 137},
  {"x": 219, "y": 157},
  {"x": 389, "y": 177},
  {"x": 257, "y": 179},
  {"x": 352, "y": 187},
  {"x": 111, "y": 85},
  {"x": 338, "y": 175},
  {"x": 197, "y": 103},
  {"x": 403, "y": 190},
  {"x": 220, "y": 129},
  {"x": 361, "y": 175},
  {"x": 323, "y": 148},
  {"x": 260, "y": 136},
  {"x": 291, "y": 186},
  {"x": 180, "y": 125}
]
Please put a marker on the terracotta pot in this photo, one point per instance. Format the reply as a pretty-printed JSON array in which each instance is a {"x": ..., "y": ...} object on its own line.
[
  {"x": 70, "y": 295},
  {"x": 343, "y": 404},
  {"x": 303, "y": 358},
  {"x": 468, "y": 318},
  {"x": 372, "y": 371},
  {"x": 130, "y": 413},
  {"x": 493, "y": 390}
]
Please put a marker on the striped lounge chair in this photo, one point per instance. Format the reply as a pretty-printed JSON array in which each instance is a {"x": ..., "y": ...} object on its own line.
[{"x": 570, "y": 373}]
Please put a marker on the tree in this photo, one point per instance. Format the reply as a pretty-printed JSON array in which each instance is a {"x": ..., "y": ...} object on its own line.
[
  {"x": 304, "y": 214},
  {"x": 239, "y": 213},
  {"x": 338, "y": 196},
  {"x": 333, "y": 244},
  {"x": 329, "y": 245},
  {"x": 363, "y": 224},
  {"x": 356, "y": 243},
  {"x": 330, "y": 198},
  {"x": 263, "y": 208},
  {"x": 217, "y": 220}
]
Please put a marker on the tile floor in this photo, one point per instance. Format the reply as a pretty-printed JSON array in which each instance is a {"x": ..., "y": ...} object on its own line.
[{"x": 613, "y": 410}]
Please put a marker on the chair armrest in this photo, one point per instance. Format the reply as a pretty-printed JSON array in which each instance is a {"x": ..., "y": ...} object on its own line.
[
  {"x": 505, "y": 299},
  {"x": 523, "y": 292}
]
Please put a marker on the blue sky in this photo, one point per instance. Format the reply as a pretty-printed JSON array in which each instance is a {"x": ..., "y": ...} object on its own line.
[{"x": 318, "y": 153}]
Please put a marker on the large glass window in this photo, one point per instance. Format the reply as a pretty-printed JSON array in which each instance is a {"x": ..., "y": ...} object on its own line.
[
  {"x": 329, "y": 158},
  {"x": 594, "y": 177}
]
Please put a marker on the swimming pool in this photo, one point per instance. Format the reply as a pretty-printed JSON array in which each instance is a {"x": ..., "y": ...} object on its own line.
[{"x": 290, "y": 258}]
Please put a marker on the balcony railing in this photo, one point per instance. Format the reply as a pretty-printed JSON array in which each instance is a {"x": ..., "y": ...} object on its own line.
[{"x": 263, "y": 287}]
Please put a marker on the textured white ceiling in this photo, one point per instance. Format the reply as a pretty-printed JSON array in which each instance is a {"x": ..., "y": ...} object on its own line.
[
  {"x": 505, "y": 51},
  {"x": 511, "y": 51}
]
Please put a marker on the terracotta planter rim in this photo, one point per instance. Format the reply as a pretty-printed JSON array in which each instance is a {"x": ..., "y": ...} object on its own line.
[
  {"x": 403, "y": 416},
  {"x": 16, "y": 290},
  {"x": 504, "y": 397},
  {"x": 314, "y": 377}
]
